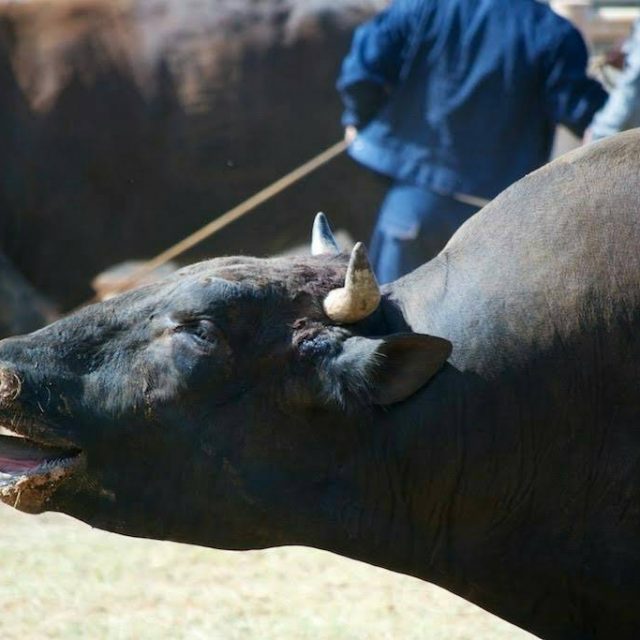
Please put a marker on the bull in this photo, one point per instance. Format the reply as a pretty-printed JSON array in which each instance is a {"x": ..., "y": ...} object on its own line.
[{"x": 474, "y": 424}]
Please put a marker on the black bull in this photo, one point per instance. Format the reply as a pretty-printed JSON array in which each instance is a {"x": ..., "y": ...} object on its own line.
[
  {"x": 127, "y": 125},
  {"x": 224, "y": 407}
]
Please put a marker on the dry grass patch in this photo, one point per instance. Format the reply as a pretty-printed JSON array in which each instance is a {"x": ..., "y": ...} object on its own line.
[{"x": 61, "y": 579}]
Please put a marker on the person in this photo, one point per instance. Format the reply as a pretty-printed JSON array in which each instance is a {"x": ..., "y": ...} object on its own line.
[
  {"x": 622, "y": 109},
  {"x": 453, "y": 101}
]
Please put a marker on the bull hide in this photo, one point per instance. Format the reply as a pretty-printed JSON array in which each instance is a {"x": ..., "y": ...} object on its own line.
[
  {"x": 128, "y": 124},
  {"x": 477, "y": 429}
]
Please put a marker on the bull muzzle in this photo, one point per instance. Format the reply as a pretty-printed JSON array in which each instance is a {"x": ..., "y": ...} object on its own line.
[{"x": 10, "y": 385}]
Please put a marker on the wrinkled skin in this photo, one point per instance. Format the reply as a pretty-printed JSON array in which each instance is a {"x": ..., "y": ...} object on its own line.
[
  {"x": 222, "y": 407},
  {"x": 128, "y": 124}
]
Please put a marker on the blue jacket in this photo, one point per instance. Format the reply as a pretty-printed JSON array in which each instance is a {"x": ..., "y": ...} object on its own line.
[{"x": 464, "y": 95}]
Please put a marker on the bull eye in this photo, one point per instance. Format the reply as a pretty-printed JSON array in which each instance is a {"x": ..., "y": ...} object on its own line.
[{"x": 200, "y": 329}]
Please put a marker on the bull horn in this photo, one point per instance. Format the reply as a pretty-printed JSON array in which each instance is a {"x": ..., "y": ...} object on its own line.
[
  {"x": 360, "y": 296},
  {"x": 322, "y": 240}
]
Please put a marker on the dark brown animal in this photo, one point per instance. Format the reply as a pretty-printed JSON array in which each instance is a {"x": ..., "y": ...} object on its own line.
[
  {"x": 244, "y": 403},
  {"x": 128, "y": 124},
  {"x": 22, "y": 309}
]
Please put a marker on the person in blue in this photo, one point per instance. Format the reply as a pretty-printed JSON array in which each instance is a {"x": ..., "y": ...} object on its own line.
[
  {"x": 622, "y": 110},
  {"x": 454, "y": 100}
]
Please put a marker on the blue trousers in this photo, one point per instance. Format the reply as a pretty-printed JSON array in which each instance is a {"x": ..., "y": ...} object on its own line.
[{"x": 413, "y": 225}]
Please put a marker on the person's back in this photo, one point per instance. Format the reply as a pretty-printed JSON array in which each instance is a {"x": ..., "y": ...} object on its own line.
[
  {"x": 453, "y": 101},
  {"x": 476, "y": 89}
]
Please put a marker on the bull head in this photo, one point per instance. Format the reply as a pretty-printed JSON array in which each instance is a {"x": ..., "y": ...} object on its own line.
[{"x": 194, "y": 407}]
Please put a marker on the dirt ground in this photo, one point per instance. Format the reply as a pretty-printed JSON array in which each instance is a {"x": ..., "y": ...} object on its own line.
[{"x": 61, "y": 579}]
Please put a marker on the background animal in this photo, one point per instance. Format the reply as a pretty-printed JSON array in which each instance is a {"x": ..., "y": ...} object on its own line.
[
  {"x": 127, "y": 124},
  {"x": 22, "y": 308}
]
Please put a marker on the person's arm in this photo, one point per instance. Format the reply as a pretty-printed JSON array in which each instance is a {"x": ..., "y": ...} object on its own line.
[
  {"x": 572, "y": 96},
  {"x": 622, "y": 110},
  {"x": 372, "y": 66}
]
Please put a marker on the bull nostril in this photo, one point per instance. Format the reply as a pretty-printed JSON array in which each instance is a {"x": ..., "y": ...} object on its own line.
[{"x": 10, "y": 386}]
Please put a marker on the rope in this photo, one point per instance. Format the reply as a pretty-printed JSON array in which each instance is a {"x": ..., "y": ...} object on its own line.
[
  {"x": 474, "y": 201},
  {"x": 245, "y": 207},
  {"x": 233, "y": 214}
]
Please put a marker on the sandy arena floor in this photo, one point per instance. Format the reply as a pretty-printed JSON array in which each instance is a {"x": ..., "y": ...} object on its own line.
[{"x": 61, "y": 579}]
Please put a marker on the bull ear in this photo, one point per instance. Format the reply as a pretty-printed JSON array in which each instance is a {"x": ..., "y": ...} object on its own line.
[{"x": 395, "y": 366}]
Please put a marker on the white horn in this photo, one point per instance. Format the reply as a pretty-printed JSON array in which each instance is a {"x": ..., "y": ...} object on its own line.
[
  {"x": 322, "y": 240},
  {"x": 360, "y": 296}
]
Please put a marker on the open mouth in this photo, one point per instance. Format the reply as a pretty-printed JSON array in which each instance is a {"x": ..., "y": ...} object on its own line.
[{"x": 30, "y": 471}]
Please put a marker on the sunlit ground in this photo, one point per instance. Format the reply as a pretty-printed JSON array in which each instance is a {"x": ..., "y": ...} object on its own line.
[{"x": 61, "y": 579}]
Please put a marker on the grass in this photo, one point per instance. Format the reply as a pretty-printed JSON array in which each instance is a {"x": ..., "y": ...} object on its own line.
[{"x": 61, "y": 579}]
